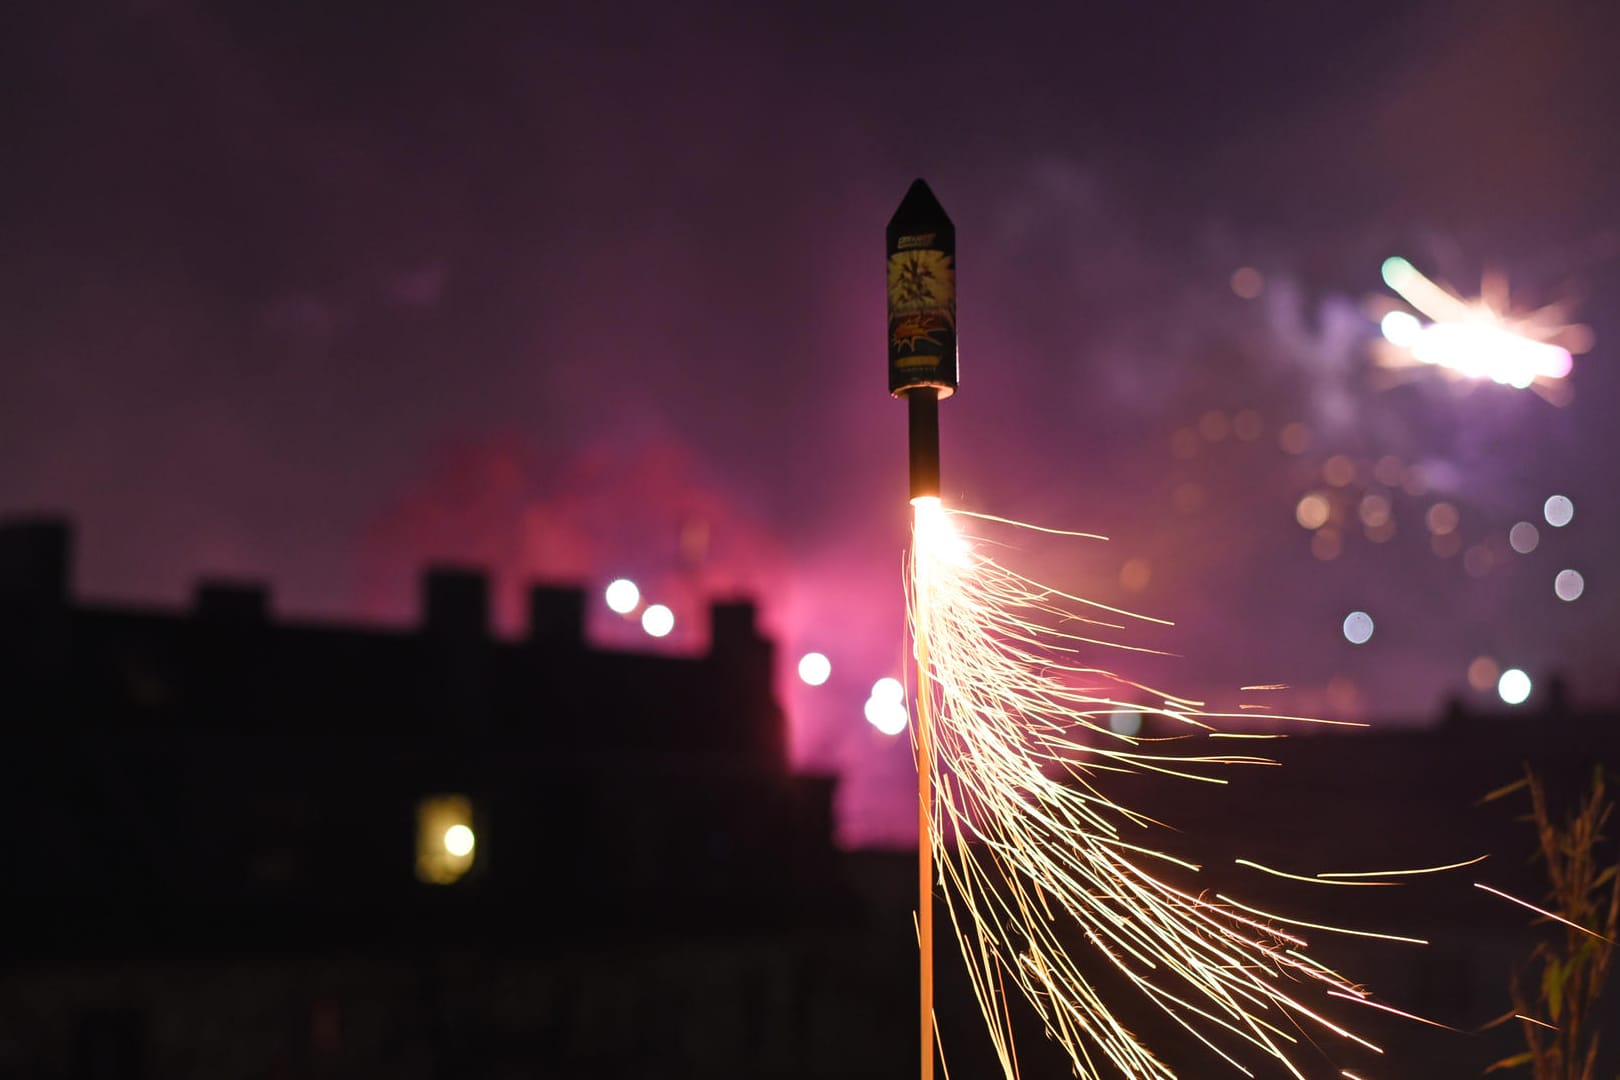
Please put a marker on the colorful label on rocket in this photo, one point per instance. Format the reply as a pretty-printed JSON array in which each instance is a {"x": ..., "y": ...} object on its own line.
[{"x": 922, "y": 312}]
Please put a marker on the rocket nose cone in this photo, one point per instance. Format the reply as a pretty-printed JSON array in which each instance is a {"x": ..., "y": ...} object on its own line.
[{"x": 919, "y": 207}]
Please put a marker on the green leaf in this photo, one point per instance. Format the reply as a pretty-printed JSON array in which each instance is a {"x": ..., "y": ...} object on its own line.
[{"x": 1552, "y": 988}]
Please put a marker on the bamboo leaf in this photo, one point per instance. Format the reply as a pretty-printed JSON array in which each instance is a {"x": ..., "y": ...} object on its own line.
[
  {"x": 1512, "y": 1062},
  {"x": 1503, "y": 791}
]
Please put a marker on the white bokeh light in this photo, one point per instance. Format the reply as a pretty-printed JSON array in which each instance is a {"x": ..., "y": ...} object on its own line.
[
  {"x": 1358, "y": 627},
  {"x": 887, "y": 716},
  {"x": 1487, "y": 350},
  {"x": 1524, "y": 537},
  {"x": 887, "y": 689},
  {"x": 459, "y": 840},
  {"x": 1401, "y": 328},
  {"x": 1513, "y": 687},
  {"x": 814, "y": 668},
  {"x": 1125, "y": 723},
  {"x": 623, "y": 596},
  {"x": 1569, "y": 584},
  {"x": 1558, "y": 511},
  {"x": 658, "y": 620}
]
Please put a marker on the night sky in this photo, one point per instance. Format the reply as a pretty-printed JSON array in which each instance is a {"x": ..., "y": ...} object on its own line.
[{"x": 317, "y": 293}]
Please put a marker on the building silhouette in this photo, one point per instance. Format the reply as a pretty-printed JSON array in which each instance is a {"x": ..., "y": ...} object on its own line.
[
  {"x": 242, "y": 846},
  {"x": 221, "y": 793}
]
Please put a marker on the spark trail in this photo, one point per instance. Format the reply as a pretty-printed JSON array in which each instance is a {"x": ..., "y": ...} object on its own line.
[{"x": 1044, "y": 876}]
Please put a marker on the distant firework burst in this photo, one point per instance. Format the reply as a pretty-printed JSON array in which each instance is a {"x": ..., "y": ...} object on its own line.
[
  {"x": 1044, "y": 876},
  {"x": 1480, "y": 338}
]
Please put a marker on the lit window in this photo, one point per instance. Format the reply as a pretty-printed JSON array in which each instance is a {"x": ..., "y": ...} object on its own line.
[{"x": 445, "y": 842}]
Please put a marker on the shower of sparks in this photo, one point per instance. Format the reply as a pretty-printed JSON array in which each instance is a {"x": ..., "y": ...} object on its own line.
[
  {"x": 1480, "y": 338},
  {"x": 1042, "y": 873}
]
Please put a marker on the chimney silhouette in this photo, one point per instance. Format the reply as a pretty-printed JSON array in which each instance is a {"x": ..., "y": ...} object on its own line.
[
  {"x": 557, "y": 616},
  {"x": 455, "y": 603},
  {"x": 35, "y": 560},
  {"x": 35, "y": 618}
]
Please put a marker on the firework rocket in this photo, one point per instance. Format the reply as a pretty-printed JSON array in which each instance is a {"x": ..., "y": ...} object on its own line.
[
  {"x": 921, "y": 252},
  {"x": 1007, "y": 747},
  {"x": 922, "y": 324}
]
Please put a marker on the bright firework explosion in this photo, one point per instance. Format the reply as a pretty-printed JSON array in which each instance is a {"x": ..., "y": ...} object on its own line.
[
  {"x": 1481, "y": 338},
  {"x": 1019, "y": 726}
]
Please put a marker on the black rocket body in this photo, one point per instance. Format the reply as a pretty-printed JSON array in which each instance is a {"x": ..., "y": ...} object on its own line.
[
  {"x": 921, "y": 253},
  {"x": 922, "y": 295}
]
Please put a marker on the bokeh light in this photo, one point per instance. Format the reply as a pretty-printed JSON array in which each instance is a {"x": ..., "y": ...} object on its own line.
[
  {"x": 1483, "y": 672},
  {"x": 887, "y": 689},
  {"x": 1397, "y": 273},
  {"x": 658, "y": 620},
  {"x": 1294, "y": 438},
  {"x": 1214, "y": 426},
  {"x": 1247, "y": 282},
  {"x": 1401, "y": 328},
  {"x": 1478, "y": 561},
  {"x": 887, "y": 716},
  {"x": 1569, "y": 585},
  {"x": 814, "y": 668},
  {"x": 1489, "y": 350},
  {"x": 1313, "y": 510},
  {"x": 1358, "y": 627},
  {"x": 1441, "y": 518},
  {"x": 886, "y": 707},
  {"x": 1513, "y": 687},
  {"x": 1374, "y": 511},
  {"x": 1343, "y": 696},
  {"x": 1558, "y": 511},
  {"x": 1339, "y": 470},
  {"x": 623, "y": 596},
  {"x": 1327, "y": 544},
  {"x": 1523, "y": 538},
  {"x": 459, "y": 840},
  {"x": 1125, "y": 723},
  {"x": 1135, "y": 574},
  {"x": 1382, "y": 532}
]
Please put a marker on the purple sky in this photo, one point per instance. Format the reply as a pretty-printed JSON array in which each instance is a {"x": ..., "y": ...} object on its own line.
[{"x": 294, "y": 293}]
